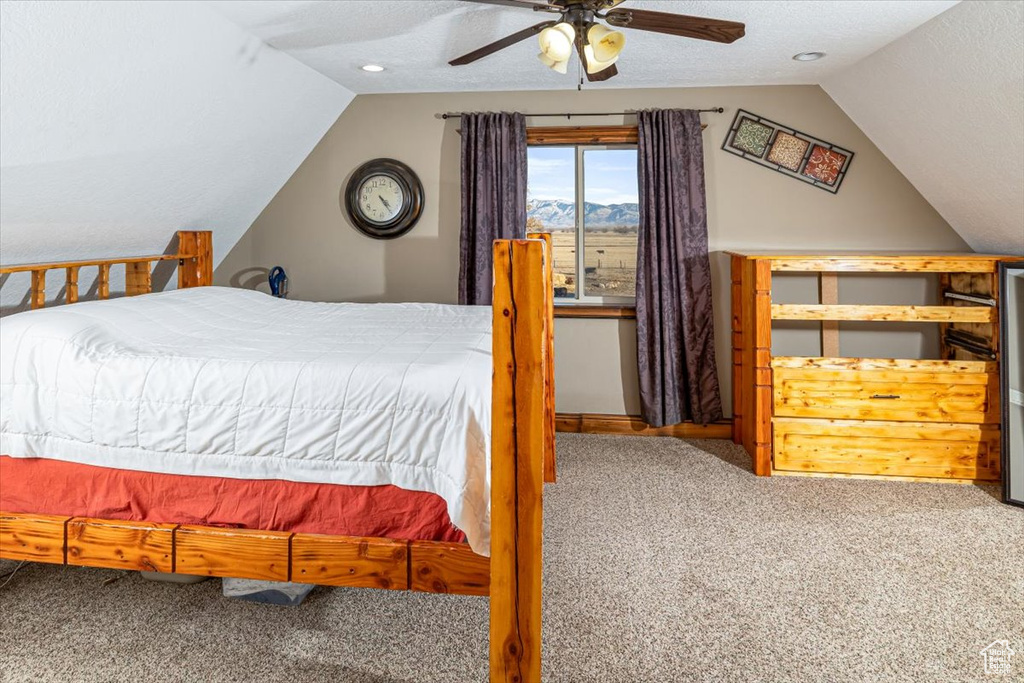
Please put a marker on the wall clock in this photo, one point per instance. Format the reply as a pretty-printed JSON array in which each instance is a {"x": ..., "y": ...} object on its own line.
[{"x": 384, "y": 198}]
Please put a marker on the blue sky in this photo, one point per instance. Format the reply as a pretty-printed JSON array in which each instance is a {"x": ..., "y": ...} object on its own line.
[{"x": 610, "y": 174}]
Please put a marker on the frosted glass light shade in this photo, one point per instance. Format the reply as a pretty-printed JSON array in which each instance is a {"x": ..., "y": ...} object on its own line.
[
  {"x": 605, "y": 43},
  {"x": 593, "y": 64},
  {"x": 561, "y": 66},
  {"x": 556, "y": 42}
]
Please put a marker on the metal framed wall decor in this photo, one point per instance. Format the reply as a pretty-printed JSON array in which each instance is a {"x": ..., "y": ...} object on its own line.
[{"x": 788, "y": 151}]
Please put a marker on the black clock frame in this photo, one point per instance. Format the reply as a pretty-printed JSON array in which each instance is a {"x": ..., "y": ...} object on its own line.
[{"x": 412, "y": 199}]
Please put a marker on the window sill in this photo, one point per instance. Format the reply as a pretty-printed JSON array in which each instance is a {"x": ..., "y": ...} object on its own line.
[{"x": 594, "y": 311}]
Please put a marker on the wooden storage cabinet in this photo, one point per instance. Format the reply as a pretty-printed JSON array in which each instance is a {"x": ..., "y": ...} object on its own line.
[
  {"x": 836, "y": 416},
  {"x": 904, "y": 449},
  {"x": 883, "y": 389}
]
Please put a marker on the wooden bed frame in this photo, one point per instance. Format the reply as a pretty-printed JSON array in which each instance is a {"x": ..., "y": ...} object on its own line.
[{"x": 522, "y": 458}]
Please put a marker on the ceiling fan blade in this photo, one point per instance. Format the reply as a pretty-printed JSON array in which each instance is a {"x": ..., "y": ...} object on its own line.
[
  {"x": 524, "y": 4},
  {"x": 507, "y": 41},
  {"x": 603, "y": 74},
  {"x": 717, "y": 30}
]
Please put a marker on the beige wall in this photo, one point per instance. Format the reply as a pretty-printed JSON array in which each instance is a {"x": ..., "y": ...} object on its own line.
[{"x": 305, "y": 229}]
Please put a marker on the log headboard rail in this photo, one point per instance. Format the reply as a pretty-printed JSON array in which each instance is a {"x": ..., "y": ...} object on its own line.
[{"x": 195, "y": 269}]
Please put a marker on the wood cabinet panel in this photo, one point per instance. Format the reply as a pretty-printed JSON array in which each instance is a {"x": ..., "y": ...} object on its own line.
[
  {"x": 929, "y": 391},
  {"x": 964, "y": 314},
  {"x": 917, "y": 449}
]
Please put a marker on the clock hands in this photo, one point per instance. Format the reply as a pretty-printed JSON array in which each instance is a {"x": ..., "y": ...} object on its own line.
[{"x": 384, "y": 202}]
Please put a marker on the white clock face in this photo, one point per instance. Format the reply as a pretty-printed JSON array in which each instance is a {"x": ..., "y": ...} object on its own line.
[{"x": 380, "y": 199}]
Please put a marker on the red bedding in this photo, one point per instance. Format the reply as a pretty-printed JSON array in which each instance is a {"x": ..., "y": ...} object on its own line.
[{"x": 55, "y": 487}]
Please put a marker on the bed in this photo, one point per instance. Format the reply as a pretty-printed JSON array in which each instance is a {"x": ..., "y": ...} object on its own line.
[{"x": 223, "y": 432}]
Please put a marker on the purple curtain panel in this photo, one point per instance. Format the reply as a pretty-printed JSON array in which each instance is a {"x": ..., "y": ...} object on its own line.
[
  {"x": 675, "y": 325},
  {"x": 493, "y": 196}
]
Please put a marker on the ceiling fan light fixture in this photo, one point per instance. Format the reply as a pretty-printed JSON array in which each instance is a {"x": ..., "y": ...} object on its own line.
[
  {"x": 594, "y": 65},
  {"x": 561, "y": 66},
  {"x": 605, "y": 43},
  {"x": 556, "y": 42},
  {"x": 591, "y": 29}
]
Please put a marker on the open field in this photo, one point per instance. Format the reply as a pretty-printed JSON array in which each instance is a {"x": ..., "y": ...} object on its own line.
[{"x": 610, "y": 261}]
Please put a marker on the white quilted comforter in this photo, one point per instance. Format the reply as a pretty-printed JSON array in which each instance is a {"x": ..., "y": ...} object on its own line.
[{"x": 233, "y": 383}]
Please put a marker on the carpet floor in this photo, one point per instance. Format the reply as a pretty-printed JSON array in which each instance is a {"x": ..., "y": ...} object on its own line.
[{"x": 665, "y": 561}]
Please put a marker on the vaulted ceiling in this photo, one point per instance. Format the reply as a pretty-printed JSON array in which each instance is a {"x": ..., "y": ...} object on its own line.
[
  {"x": 945, "y": 103},
  {"x": 415, "y": 39},
  {"x": 125, "y": 121}
]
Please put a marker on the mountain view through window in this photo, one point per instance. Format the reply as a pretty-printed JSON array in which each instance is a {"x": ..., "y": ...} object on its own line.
[{"x": 594, "y": 249}]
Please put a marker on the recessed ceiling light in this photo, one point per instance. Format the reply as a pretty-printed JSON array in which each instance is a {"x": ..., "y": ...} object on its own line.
[
  {"x": 374, "y": 68},
  {"x": 808, "y": 56}
]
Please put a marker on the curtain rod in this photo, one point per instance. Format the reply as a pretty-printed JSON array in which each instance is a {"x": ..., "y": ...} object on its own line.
[{"x": 457, "y": 115}]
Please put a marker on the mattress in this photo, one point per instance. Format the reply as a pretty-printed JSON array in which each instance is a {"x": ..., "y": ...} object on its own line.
[{"x": 231, "y": 383}]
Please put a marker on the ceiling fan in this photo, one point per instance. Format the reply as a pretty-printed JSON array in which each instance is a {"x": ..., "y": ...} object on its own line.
[{"x": 597, "y": 45}]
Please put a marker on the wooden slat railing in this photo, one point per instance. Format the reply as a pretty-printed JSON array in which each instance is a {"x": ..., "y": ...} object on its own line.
[
  {"x": 195, "y": 269},
  {"x": 24, "y": 267}
]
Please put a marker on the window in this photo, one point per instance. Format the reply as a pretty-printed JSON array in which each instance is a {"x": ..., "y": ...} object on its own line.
[{"x": 594, "y": 247}]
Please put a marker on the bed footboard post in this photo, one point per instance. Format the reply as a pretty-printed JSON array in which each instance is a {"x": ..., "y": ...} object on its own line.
[
  {"x": 517, "y": 459},
  {"x": 549, "y": 357},
  {"x": 195, "y": 258}
]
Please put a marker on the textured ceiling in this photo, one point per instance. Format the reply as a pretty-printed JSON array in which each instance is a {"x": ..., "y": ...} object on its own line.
[
  {"x": 946, "y": 105},
  {"x": 415, "y": 39}
]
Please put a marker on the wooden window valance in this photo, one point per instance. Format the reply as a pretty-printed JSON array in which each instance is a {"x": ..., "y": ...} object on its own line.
[{"x": 583, "y": 135}]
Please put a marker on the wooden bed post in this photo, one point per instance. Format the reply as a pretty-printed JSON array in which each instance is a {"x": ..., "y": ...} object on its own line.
[
  {"x": 195, "y": 258},
  {"x": 517, "y": 459},
  {"x": 549, "y": 360}
]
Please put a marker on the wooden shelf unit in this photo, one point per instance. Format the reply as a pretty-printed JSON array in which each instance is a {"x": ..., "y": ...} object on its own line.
[{"x": 869, "y": 417}]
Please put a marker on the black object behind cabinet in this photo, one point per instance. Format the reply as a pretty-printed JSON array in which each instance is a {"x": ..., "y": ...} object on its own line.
[{"x": 1011, "y": 285}]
